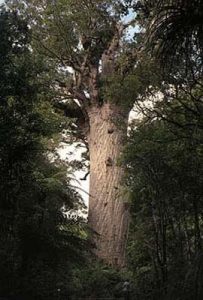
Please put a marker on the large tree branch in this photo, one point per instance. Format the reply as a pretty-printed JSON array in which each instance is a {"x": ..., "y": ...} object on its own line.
[
  {"x": 79, "y": 95},
  {"x": 109, "y": 54},
  {"x": 73, "y": 93},
  {"x": 80, "y": 124},
  {"x": 66, "y": 62}
]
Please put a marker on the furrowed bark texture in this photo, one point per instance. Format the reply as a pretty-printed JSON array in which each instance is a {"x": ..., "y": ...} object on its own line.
[{"x": 108, "y": 210}]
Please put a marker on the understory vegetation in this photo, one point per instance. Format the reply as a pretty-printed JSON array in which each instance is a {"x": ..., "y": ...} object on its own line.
[{"x": 46, "y": 246}]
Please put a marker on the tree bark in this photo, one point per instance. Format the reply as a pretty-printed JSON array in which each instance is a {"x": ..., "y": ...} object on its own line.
[{"x": 108, "y": 208}]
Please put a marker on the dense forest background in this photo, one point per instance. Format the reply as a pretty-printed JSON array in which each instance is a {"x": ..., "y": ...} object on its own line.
[{"x": 46, "y": 250}]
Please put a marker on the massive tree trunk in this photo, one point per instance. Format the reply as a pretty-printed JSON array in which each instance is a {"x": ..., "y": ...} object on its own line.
[
  {"x": 95, "y": 54},
  {"x": 108, "y": 208}
]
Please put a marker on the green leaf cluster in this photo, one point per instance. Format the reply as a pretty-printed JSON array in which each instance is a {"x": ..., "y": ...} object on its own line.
[{"x": 39, "y": 243}]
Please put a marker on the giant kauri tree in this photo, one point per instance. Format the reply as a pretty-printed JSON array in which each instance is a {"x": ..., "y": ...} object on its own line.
[{"x": 87, "y": 40}]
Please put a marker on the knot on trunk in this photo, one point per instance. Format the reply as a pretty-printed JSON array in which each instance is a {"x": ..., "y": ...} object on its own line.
[
  {"x": 110, "y": 130},
  {"x": 109, "y": 162}
]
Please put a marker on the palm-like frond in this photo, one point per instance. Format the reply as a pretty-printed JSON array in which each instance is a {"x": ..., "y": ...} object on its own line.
[{"x": 174, "y": 28}]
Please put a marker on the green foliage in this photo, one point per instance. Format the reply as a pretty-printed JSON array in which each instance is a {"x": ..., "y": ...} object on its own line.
[
  {"x": 130, "y": 82},
  {"x": 63, "y": 31},
  {"x": 76, "y": 34},
  {"x": 173, "y": 31},
  {"x": 39, "y": 244},
  {"x": 97, "y": 280},
  {"x": 120, "y": 91},
  {"x": 164, "y": 163}
]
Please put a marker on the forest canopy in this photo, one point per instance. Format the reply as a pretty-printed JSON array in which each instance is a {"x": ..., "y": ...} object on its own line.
[{"x": 71, "y": 74}]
